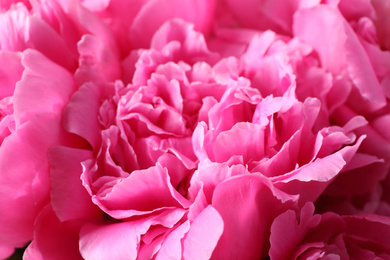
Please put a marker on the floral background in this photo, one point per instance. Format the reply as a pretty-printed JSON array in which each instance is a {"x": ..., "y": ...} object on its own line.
[{"x": 194, "y": 129}]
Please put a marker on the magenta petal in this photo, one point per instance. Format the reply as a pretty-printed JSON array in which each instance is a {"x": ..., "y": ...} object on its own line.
[
  {"x": 257, "y": 203},
  {"x": 69, "y": 198},
  {"x": 11, "y": 71},
  {"x": 45, "y": 87},
  {"x": 47, "y": 244},
  {"x": 203, "y": 235}
]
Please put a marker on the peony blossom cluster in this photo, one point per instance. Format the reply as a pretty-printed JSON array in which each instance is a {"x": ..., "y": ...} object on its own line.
[{"x": 197, "y": 129}]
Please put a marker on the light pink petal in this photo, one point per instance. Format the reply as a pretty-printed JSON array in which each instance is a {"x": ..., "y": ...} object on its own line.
[
  {"x": 97, "y": 62},
  {"x": 45, "y": 87},
  {"x": 203, "y": 235},
  {"x": 245, "y": 235},
  {"x": 110, "y": 241},
  {"x": 47, "y": 244},
  {"x": 199, "y": 12},
  {"x": 11, "y": 71},
  {"x": 69, "y": 198}
]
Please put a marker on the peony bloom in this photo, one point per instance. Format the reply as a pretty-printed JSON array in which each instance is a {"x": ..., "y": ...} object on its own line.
[{"x": 197, "y": 129}]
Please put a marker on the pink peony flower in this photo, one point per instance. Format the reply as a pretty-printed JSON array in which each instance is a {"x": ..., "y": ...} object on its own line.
[{"x": 194, "y": 129}]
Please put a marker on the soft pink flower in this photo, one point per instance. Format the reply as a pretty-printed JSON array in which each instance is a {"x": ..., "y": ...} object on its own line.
[{"x": 168, "y": 129}]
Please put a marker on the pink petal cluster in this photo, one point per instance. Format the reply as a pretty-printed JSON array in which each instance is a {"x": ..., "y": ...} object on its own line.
[{"x": 196, "y": 129}]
